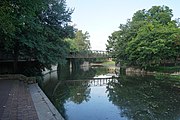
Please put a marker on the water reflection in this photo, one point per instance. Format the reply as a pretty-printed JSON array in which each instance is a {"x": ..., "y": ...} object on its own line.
[
  {"x": 143, "y": 98},
  {"x": 92, "y": 95},
  {"x": 86, "y": 100}
]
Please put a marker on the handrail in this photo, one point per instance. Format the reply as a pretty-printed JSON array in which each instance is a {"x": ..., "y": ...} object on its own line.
[{"x": 83, "y": 54}]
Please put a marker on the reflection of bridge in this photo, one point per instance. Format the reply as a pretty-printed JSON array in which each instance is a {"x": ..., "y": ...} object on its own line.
[
  {"x": 91, "y": 82},
  {"x": 89, "y": 54},
  {"x": 87, "y": 82}
]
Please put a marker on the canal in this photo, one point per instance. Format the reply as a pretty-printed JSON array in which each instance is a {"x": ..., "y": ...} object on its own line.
[{"x": 98, "y": 93}]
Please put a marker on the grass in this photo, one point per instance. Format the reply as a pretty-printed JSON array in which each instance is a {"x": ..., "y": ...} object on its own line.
[
  {"x": 177, "y": 77},
  {"x": 166, "y": 69},
  {"x": 164, "y": 76},
  {"x": 108, "y": 63}
]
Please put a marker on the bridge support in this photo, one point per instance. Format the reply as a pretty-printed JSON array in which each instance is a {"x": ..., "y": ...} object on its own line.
[{"x": 73, "y": 64}]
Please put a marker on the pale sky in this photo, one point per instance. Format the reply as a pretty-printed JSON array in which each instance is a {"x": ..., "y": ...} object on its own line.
[{"x": 102, "y": 17}]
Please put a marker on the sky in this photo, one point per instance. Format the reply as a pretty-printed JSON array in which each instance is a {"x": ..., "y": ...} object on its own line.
[{"x": 102, "y": 17}]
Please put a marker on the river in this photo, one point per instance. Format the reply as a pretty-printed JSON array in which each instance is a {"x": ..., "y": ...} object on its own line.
[{"x": 93, "y": 94}]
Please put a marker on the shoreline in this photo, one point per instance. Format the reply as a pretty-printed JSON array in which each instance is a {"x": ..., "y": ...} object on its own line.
[{"x": 45, "y": 109}]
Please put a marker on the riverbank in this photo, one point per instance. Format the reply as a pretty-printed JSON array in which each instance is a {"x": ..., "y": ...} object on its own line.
[
  {"x": 168, "y": 75},
  {"x": 174, "y": 71},
  {"x": 105, "y": 64},
  {"x": 20, "y": 100}
]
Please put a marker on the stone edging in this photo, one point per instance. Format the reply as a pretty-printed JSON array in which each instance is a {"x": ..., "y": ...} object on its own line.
[{"x": 45, "y": 109}]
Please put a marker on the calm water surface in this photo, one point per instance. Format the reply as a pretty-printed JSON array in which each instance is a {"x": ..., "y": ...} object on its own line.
[{"x": 81, "y": 95}]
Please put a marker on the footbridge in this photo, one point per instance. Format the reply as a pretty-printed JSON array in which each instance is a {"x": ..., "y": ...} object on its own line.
[
  {"x": 89, "y": 54},
  {"x": 4, "y": 57}
]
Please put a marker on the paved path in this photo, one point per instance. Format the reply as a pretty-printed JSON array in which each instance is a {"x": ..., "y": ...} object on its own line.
[
  {"x": 19, "y": 101},
  {"x": 15, "y": 101}
]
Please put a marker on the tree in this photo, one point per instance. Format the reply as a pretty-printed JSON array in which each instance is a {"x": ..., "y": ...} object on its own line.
[
  {"x": 35, "y": 29},
  {"x": 80, "y": 42},
  {"x": 149, "y": 39}
]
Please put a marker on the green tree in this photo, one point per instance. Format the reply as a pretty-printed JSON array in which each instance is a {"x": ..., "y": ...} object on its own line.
[
  {"x": 149, "y": 39},
  {"x": 35, "y": 29},
  {"x": 80, "y": 42}
]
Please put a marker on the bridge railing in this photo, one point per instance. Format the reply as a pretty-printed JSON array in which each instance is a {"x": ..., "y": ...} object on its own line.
[
  {"x": 89, "y": 54},
  {"x": 84, "y": 54},
  {"x": 7, "y": 57}
]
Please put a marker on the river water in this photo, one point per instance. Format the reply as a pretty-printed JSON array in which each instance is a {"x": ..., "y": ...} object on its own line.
[{"x": 93, "y": 94}]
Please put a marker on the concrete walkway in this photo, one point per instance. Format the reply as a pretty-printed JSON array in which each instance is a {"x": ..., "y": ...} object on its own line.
[{"x": 20, "y": 101}]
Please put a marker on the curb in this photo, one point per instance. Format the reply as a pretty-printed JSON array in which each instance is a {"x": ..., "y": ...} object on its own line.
[{"x": 44, "y": 108}]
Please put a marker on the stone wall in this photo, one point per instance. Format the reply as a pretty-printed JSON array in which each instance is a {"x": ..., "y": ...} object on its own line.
[{"x": 136, "y": 71}]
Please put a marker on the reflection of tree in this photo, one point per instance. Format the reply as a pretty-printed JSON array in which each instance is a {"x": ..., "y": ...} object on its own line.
[
  {"x": 76, "y": 92},
  {"x": 101, "y": 70},
  {"x": 48, "y": 86},
  {"x": 78, "y": 73},
  {"x": 79, "y": 93},
  {"x": 59, "y": 90},
  {"x": 63, "y": 71},
  {"x": 145, "y": 99},
  {"x": 60, "y": 97}
]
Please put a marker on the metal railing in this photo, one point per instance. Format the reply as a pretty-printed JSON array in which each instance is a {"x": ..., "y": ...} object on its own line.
[
  {"x": 84, "y": 54},
  {"x": 89, "y": 54}
]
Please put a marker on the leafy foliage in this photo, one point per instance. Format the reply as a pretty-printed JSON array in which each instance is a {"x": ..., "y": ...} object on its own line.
[
  {"x": 151, "y": 38},
  {"x": 80, "y": 42},
  {"x": 35, "y": 29}
]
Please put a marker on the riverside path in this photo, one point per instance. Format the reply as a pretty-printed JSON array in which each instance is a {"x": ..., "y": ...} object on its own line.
[
  {"x": 15, "y": 101},
  {"x": 22, "y": 101}
]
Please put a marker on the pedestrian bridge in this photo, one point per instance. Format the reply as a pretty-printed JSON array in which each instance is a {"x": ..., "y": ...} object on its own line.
[
  {"x": 89, "y": 54},
  {"x": 72, "y": 55}
]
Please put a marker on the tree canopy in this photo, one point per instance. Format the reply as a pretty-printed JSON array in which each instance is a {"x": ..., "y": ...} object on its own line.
[
  {"x": 80, "y": 42},
  {"x": 150, "y": 38},
  {"x": 35, "y": 29}
]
